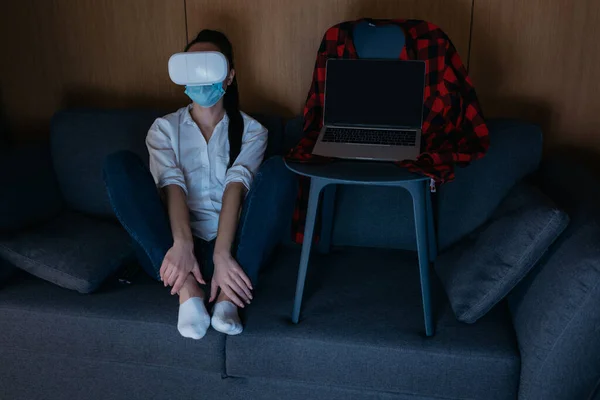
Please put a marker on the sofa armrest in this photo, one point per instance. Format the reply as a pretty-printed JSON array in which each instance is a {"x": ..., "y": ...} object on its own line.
[
  {"x": 555, "y": 308},
  {"x": 468, "y": 201},
  {"x": 30, "y": 193}
]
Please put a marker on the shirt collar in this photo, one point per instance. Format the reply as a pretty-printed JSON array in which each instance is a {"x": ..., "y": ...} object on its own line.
[{"x": 187, "y": 117}]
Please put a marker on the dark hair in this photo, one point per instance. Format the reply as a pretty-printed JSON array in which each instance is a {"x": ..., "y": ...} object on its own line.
[{"x": 231, "y": 99}]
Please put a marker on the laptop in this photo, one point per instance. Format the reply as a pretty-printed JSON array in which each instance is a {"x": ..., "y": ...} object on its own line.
[{"x": 373, "y": 110}]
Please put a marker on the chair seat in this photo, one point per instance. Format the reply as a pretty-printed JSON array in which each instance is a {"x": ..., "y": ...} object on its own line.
[
  {"x": 362, "y": 172},
  {"x": 362, "y": 327}
]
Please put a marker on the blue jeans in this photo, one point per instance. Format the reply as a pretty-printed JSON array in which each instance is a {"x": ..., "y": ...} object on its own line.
[{"x": 137, "y": 204}]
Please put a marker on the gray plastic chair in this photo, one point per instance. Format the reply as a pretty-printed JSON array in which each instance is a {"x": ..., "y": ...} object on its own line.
[
  {"x": 371, "y": 174},
  {"x": 370, "y": 42}
]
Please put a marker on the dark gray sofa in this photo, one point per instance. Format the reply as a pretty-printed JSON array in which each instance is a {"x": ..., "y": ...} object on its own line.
[{"x": 360, "y": 335}]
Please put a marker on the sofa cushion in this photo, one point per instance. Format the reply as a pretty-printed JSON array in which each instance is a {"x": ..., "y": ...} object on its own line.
[
  {"x": 50, "y": 376},
  {"x": 123, "y": 325},
  {"x": 362, "y": 328},
  {"x": 73, "y": 251},
  {"x": 81, "y": 139},
  {"x": 26, "y": 173},
  {"x": 278, "y": 389},
  {"x": 483, "y": 268}
]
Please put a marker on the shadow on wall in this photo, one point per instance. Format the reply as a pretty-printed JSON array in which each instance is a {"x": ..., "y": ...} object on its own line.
[
  {"x": 588, "y": 158},
  {"x": 239, "y": 32},
  {"x": 88, "y": 97},
  {"x": 529, "y": 109},
  {"x": 489, "y": 73}
]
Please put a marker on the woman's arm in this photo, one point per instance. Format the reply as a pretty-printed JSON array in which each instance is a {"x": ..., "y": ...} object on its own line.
[
  {"x": 179, "y": 215},
  {"x": 230, "y": 214},
  {"x": 229, "y": 276},
  {"x": 180, "y": 260}
]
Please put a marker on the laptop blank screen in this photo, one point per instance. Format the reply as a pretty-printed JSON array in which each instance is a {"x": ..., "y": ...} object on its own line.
[{"x": 385, "y": 93}]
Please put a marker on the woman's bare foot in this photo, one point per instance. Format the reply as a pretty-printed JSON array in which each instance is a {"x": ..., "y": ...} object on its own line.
[
  {"x": 225, "y": 317},
  {"x": 190, "y": 289},
  {"x": 194, "y": 320},
  {"x": 223, "y": 297}
]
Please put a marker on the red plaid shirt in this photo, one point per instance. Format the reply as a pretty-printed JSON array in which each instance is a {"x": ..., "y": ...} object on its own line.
[{"x": 454, "y": 131}]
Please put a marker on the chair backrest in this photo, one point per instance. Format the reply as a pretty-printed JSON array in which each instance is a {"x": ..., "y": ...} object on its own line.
[{"x": 373, "y": 41}]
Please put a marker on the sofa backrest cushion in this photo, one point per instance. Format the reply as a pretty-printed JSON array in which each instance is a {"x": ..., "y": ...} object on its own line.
[
  {"x": 81, "y": 139},
  {"x": 470, "y": 200},
  {"x": 555, "y": 309}
]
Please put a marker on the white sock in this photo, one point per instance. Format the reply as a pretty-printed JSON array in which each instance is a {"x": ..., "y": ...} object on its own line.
[
  {"x": 226, "y": 319},
  {"x": 193, "y": 320}
]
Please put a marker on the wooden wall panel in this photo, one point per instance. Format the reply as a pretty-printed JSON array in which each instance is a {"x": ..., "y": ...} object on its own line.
[
  {"x": 276, "y": 41},
  {"x": 106, "y": 53},
  {"x": 540, "y": 60}
]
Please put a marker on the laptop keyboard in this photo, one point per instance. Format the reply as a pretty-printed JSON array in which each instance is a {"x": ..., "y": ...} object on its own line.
[{"x": 370, "y": 136}]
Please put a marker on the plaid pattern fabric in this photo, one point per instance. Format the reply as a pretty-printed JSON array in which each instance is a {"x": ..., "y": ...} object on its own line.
[{"x": 454, "y": 131}]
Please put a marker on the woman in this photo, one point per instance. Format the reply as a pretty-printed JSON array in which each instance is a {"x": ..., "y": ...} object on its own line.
[{"x": 204, "y": 158}]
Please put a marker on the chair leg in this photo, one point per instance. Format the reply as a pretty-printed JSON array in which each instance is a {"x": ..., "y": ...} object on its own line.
[
  {"x": 419, "y": 194},
  {"x": 316, "y": 186},
  {"x": 327, "y": 215},
  {"x": 431, "y": 233}
]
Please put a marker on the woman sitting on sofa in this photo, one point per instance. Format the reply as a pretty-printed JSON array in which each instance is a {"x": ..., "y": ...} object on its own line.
[{"x": 204, "y": 158}]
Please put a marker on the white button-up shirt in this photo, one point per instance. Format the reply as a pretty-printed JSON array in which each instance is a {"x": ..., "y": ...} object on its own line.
[{"x": 179, "y": 155}]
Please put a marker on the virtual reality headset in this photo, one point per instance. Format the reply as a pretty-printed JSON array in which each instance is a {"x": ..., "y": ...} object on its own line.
[{"x": 198, "y": 68}]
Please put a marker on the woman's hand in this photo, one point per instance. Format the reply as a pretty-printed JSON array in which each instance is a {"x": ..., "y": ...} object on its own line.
[
  {"x": 232, "y": 280},
  {"x": 179, "y": 262}
]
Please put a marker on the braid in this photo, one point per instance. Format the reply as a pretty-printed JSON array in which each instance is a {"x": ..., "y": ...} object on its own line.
[{"x": 231, "y": 103}]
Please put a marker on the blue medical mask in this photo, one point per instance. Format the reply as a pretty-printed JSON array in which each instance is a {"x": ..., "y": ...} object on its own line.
[{"x": 207, "y": 95}]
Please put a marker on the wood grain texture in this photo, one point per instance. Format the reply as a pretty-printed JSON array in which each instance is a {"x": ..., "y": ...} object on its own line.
[
  {"x": 540, "y": 60},
  {"x": 100, "y": 53},
  {"x": 276, "y": 41}
]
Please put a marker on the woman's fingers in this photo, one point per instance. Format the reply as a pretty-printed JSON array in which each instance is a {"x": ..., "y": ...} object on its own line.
[
  {"x": 233, "y": 296},
  {"x": 197, "y": 274},
  {"x": 179, "y": 283},
  {"x": 172, "y": 276},
  {"x": 163, "y": 269},
  {"x": 242, "y": 284},
  {"x": 247, "y": 280},
  {"x": 214, "y": 288},
  {"x": 166, "y": 273},
  {"x": 238, "y": 290}
]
